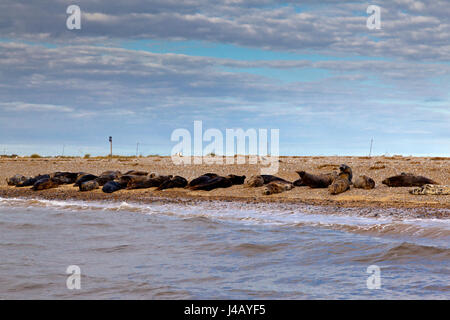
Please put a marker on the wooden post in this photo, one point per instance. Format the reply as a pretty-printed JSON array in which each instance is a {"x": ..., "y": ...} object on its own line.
[{"x": 110, "y": 148}]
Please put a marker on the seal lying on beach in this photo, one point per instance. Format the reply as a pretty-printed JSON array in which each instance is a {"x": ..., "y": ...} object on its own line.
[
  {"x": 260, "y": 180},
  {"x": 219, "y": 182},
  {"x": 64, "y": 177},
  {"x": 407, "y": 180},
  {"x": 89, "y": 185},
  {"x": 128, "y": 179},
  {"x": 213, "y": 183},
  {"x": 431, "y": 189},
  {"x": 299, "y": 183},
  {"x": 175, "y": 182},
  {"x": 254, "y": 181},
  {"x": 277, "y": 187},
  {"x": 106, "y": 176},
  {"x": 343, "y": 181},
  {"x": 317, "y": 181},
  {"x": 364, "y": 182},
  {"x": 83, "y": 178},
  {"x": 112, "y": 186},
  {"x": 16, "y": 179},
  {"x": 136, "y": 173},
  {"x": 45, "y": 183},
  {"x": 151, "y": 181},
  {"x": 31, "y": 181},
  {"x": 235, "y": 180},
  {"x": 202, "y": 179}
]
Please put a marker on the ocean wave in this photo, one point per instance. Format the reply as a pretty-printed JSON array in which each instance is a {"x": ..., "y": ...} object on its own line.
[
  {"x": 373, "y": 221},
  {"x": 405, "y": 252}
]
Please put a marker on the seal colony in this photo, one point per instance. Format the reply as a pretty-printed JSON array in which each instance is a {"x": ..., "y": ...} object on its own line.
[
  {"x": 111, "y": 181},
  {"x": 360, "y": 194}
]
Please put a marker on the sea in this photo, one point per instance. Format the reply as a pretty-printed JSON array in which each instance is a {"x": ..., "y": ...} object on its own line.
[{"x": 51, "y": 249}]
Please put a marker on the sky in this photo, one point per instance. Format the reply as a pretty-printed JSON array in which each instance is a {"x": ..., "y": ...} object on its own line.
[{"x": 138, "y": 70}]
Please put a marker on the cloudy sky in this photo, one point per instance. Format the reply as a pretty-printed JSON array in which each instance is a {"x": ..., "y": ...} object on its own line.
[{"x": 140, "y": 69}]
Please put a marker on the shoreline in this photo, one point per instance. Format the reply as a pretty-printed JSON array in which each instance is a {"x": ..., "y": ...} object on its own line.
[
  {"x": 430, "y": 210},
  {"x": 377, "y": 168}
]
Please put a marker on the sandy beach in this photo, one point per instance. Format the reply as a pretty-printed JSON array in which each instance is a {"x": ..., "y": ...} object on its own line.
[{"x": 378, "y": 168}]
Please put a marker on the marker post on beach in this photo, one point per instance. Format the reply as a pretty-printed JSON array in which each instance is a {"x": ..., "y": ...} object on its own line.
[{"x": 110, "y": 147}]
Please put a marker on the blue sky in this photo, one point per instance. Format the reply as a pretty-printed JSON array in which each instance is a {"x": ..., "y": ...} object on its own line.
[{"x": 141, "y": 69}]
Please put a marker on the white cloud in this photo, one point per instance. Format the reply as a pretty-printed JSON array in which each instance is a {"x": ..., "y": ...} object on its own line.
[
  {"x": 411, "y": 29},
  {"x": 34, "y": 107}
]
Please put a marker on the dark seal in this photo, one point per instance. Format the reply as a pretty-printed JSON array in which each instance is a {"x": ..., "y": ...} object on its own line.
[
  {"x": 106, "y": 176},
  {"x": 202, "y": 179},
  {"x": 83, "y": 178},
  {"x": 45, "y": 183},
  {"x": 64, "y": 177},
  {"x": 136, "y": 173},
  {"x": 407, "y": 180},
  {"x": 31, "y": 181},
  {"x": 149, "y": 182},
  {"x": 112, "y": 186},
  {"x": 16, "y": 179},
  {"x": 317, "y": 181},
  {"x": 219, "y": 182},
  {"x": 174, "y": 182}
]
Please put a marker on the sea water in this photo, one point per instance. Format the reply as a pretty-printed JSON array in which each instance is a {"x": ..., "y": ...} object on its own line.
[{"x": 218, "y": 250}]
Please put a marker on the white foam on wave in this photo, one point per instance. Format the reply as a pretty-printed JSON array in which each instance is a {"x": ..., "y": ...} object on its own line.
[{"x": 265, "y": 214}]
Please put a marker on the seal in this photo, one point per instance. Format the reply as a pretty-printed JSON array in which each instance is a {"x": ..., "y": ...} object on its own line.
[
  {"x": 136, "y": 173},
  {"x": 346, "y": 172},
  {"x": 260, "y": 180},
  {"x": 64, "y": 177},
  {"x": 277, "y": 187},
  {"x": 89, "y": 185},
  {"x": 219, "y": 182},
  {"x": 202, "y": 179},
  {"x": 112, "y": 186},
  {"x": 431, "y": 189},
  {"x": 407, "y": 180},
  {"x": 213, "y": 183},
  {"x": 16, "y": 179},
  {"x": 152, "y": 181},
  {"x": 317, "y": 181},
  {"x": 299, "y": 183},
  {"x": 45, "y": 183},
  {"x": 236, "y": 180},
  {"x": 106, "y": 176},
  {"x": 31, "y": 181},
  {"x": 83, "y": 178},
  {"x": 364, "y": 182},
  {"x": 254, "y": 181},
  {"x": 342, "y": 182},
  {"x": 174, "y": 182},
  {"x": 129, "y": 179}
]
